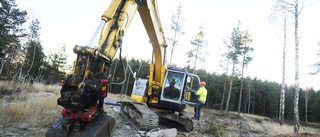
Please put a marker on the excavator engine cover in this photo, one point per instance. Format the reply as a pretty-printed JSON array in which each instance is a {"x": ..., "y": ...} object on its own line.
[{"x": 101, "y": 126}]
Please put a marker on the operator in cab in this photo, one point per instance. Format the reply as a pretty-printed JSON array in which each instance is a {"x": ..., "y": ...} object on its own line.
[{"x": 202, "y": 93}]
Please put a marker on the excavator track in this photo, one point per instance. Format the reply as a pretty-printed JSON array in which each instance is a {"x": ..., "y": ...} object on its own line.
[
  {"x": 192, "y": 124},
  {"x": 139, "y": 115}
]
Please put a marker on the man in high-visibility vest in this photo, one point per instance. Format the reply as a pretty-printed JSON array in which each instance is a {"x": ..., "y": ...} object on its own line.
[{"x": 202, "y": 93}]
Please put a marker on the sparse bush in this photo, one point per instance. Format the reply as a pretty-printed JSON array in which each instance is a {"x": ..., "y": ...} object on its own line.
[{"x": 214, "y": 129}]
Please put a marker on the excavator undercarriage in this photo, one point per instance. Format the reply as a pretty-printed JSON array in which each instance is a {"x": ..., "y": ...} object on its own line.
[{"x": 141, "y": 117}]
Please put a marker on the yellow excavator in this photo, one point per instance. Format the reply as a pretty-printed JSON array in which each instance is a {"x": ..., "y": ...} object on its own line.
[{"x": 164, "y": 95}]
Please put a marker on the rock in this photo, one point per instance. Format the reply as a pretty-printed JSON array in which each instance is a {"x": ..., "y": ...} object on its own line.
[
  {"x": 24, "y": 126},
  {"x": 195, "y": 134},
  {"x": 184, "y": 134},
  {"x": 153, "y": 132},
  {"x": 245, "y": 118},
  {"x": 162, "y": 133},
  {"x": 169, "y": 132},
  {"x": 127, "y": 126},
  {"x": 142, "y": 133}
]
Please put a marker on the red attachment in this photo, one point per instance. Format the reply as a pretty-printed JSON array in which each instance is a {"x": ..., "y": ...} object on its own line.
[
  {"x": 64, "y": 113},
  {"x": 80, "y": 115},
  {"x": 104, "y": 87}
]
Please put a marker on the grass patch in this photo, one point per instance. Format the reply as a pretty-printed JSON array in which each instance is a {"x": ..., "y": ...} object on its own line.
[{"x": 29, "y": 107}]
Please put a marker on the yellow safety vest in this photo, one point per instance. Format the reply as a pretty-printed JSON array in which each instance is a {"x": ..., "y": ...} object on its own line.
[{"x": 202, "y": 92}]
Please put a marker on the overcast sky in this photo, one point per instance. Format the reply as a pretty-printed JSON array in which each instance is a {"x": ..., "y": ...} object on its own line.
[{"x": 73, "y": 22}]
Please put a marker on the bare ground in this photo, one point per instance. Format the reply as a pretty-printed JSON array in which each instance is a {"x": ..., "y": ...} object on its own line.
[{"x": 217, "y": 123}]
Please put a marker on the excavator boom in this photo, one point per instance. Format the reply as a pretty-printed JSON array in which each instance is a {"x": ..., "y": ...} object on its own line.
[{"x": 84, "y": 90}]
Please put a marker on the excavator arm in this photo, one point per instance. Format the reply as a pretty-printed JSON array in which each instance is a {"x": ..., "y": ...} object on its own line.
[
  {"x": 115, "y": 22},
  {"x": 119, "y": 20},
  {"x": 83, "y": 91}
]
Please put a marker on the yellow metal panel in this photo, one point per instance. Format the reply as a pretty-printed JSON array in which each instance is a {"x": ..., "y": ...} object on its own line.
[
  {"x": 139, "y": 98},
  {"x": 108, "y": 14},
  {"x": 188, "y": 96},
  {"x": 113, "y": 33},
  {"x": 150, "y": 19},
  {"x": 151, "y": 78}
]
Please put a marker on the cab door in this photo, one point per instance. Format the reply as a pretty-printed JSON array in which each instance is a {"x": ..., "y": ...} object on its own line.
[{"x": 191, "y": 88}]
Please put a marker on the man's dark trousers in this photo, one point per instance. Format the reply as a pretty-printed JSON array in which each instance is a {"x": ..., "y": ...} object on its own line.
[{"x": 197, "y": 109}]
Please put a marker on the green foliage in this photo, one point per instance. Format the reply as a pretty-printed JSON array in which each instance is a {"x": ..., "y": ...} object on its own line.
[
  {"x": 34, "y": 56},
  {"x": 238, "y": 44},
  {"x": 28, "y": 62},
  {"x": 264, "y": 95},
  {"x": 11, "y": 30},
  {"x": 57, "y": 68},
  {"x": 215, "y": 129}
]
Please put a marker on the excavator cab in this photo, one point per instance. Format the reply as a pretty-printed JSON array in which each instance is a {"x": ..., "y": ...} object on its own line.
[{"x": 179, "y": 89}]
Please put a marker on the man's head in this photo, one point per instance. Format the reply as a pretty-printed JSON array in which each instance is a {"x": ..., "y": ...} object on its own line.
[{"x": 202, "y": 84}]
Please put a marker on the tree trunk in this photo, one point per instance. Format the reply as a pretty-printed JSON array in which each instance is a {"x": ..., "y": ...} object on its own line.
[
  {"x": 253, "y": 105},
  {"x": 195, "y": 60},
  {"x": 20, "y": 74},
  {"x": 297, "y": 87},
  {"x": 246, "y": 98},
  {"x": 284, "y": 52},
  {"x": 249, "y": 98},
  {"x": 2, "y": 65},
  {"x": 230, "y": 89},
  {"x": 276, "y": 108},
  {"x": 15, "y": 75},
  {"x": 240, "y": 96},
  {"x": 306, "y": 102},
  {"x": 176, "y": 30},
  {"x": 224, "y": 86},
  {"x": 264, "y": 104},
  {"x": 34, "y": 53}
]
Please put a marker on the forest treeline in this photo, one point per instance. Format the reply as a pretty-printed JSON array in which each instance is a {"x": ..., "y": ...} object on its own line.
[
  {"x": 22, "y": 58},
  {"x": 260, "y": 97}
]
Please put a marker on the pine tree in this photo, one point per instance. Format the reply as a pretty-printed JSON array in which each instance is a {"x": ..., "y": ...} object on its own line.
[
  {"x": 57, "y": 69},
  {"x": 197, "y": 53},
  {"x": 11, "y": 30},
  {"x": 234, "y": 44},
  {"x": 246, "y": 58},
  {"x": 177, "y": 20}
]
